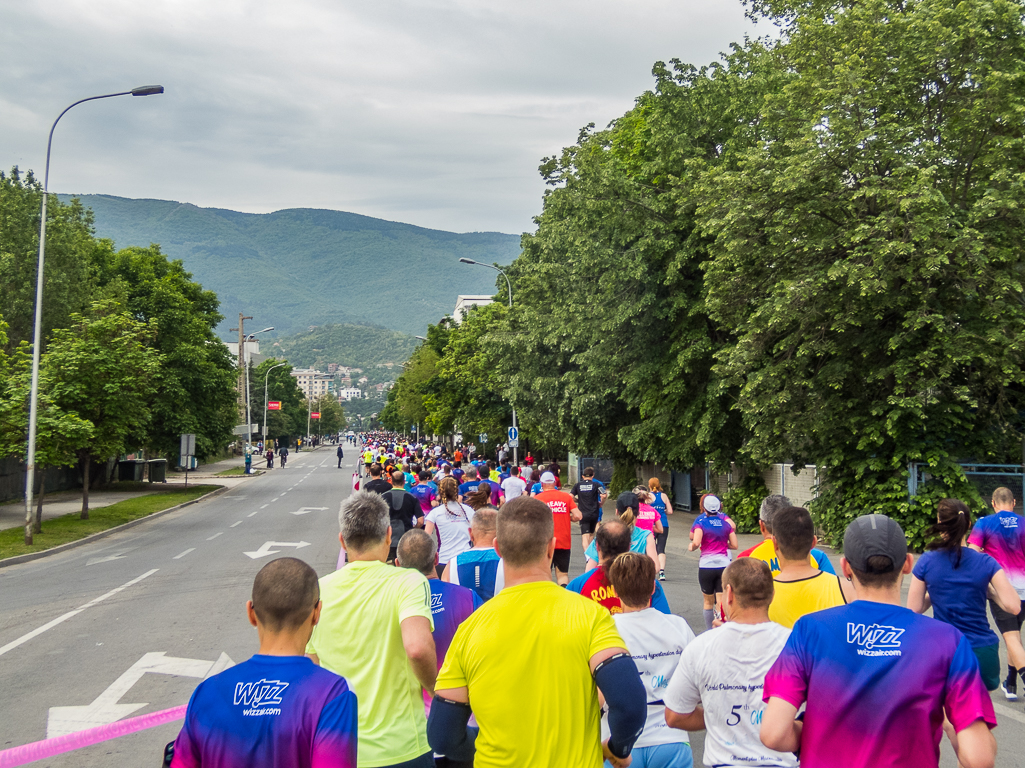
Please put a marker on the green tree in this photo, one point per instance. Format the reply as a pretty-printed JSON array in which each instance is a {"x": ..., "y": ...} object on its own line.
[
  {"x": 332, "y": 416},
  {"x": 290, "y": 421},
  {"x": 103, "y": 370}
]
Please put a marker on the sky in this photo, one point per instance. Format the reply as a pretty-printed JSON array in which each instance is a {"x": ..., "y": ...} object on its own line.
[{"x": 430, "y": 112}]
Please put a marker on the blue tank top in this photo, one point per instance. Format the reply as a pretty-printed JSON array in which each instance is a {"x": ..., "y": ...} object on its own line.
[
  {"x": 477, "y": 569},
  {"x": 660, "y": 505}
]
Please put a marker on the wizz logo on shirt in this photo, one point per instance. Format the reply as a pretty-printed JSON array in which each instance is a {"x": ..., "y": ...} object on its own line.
[
  {"x": 875, "y": 639},
  {"x": 260, "y": 696}
]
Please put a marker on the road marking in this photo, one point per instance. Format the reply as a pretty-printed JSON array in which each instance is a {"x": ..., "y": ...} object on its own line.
[
  {"x": 51, "y": 624},
  {"x": 274, "y": 499},
  {"x": 264, "y": 506},
  {"x": 179, "y": 557},
  {"x": 105, "y": 709},
  {"x": 307, "y": 510},
  {"x": 265, "y": 549},
  {"x": 253, "y": 513},
  {"x": 1008, "y": 712},
  {"x": 215, "y": 535},
  {"x": 234, "y": 524},
  {"x": 107, "y": 559},
  {"x": 292, "y": 487}
]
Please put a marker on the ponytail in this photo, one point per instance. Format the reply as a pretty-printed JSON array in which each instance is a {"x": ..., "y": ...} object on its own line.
[
  {"x": 954, "y": 520},
  {"x": 627, "y": 518}
]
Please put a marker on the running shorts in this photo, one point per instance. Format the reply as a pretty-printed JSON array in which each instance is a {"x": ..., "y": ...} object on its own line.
[
  {"x": 561, "y": 560},
  {"x": 989, "y": 665},
  {"x": 660, "y": 540},
  {"x": 589, "y": 524},
  {"x": 710, "y": 580},
  {"x": 1007, "y": 622}
]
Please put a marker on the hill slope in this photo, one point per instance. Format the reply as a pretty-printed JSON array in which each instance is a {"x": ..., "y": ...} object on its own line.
[
  {"x": 354, "y": 346},
  {"x": 301, "y": 267}
]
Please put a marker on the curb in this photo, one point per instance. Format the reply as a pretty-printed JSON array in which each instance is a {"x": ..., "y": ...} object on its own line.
[{"x": 17, "y": 559}]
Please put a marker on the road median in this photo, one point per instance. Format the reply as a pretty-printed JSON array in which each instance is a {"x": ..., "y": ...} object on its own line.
[{"x": 70, "y": 530}]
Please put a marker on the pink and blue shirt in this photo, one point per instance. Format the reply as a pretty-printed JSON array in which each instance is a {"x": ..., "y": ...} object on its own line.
[
  {"x": 1002, "y": 537},
  {"x": 877, "y": 679},
  {"x": 425, "y": 495},
  {"x": 280, "y": 711},
  {"x": 715, "y": 539}
]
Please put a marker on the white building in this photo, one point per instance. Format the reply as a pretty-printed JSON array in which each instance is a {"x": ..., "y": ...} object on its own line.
[
  {"x": 350, "y": 393},
  {"x": 313, "y": 383},
  {"x": 465, "y": 302}
]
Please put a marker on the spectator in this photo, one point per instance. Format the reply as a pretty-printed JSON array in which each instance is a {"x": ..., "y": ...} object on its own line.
[
  {"x": 717, "y": 686},
  {"x": 612, "y": 540},
  {"x": 765, "y": 551},
  {"x": 655, "y": 641},
  {"x": 307, "y": 717},
  {"x": 403, "y": 510},
  {"x": 800, "y": 587},
  {"x": 479, "y": 568},
  {"x": 877, "y": 678},
  {"x": 528, "y": 661},
  {"x": 375, "y": 630}
]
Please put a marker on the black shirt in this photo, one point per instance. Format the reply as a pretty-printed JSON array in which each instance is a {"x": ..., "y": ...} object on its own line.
[
  {"x": 588, "y": 496},
  {"x": 378, "y": 486},
  {"x": 403, "y": 508}
]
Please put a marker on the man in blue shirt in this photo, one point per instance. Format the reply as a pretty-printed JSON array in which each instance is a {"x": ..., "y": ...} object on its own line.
[
  {"x": 480, "y": 568},
  {"x": 470, "y": 483}
]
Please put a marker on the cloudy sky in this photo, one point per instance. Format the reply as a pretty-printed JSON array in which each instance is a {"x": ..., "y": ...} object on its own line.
[{"x": 432, "y": 112}]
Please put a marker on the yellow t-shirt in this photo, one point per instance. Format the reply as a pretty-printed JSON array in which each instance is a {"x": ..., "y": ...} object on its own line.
[
  {"x": 766, "y": 552},
  {"x": 359, "y": 637},
  {"x": 524, "y": 658},
  {"x": 794, "y": 599}
]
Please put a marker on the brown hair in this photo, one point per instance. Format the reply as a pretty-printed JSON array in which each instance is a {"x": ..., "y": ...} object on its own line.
[
  {"x": 751, "y": 580},
  {"x": 525, "y": 526},
  {"x": 285, "y": 592},
  {"x": 632, "y": 575},
  {"x": 448, "y": 489},
  {"x": 654, "y": 485},
  {"x": 481, "y": 497},
  {"x": 953, "y": 521}
]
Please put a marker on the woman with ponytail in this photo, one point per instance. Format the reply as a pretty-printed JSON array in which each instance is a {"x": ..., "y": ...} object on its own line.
[
  {"x": 956, "y": 580},
  {"x": 450, "y": 523}
]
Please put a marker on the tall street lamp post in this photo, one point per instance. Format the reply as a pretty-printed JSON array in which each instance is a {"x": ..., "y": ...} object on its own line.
[
  {"x": 266, "y": 380},
  {"x": 249, "y": 415},
  {"x": 516, "y": 450},
  {"x": 30, "y": 458}
]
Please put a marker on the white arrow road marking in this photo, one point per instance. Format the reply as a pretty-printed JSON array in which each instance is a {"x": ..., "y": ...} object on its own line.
[
  {"x": 307, "y": 510},
  {"x": 107, "y": 559},
  {"x": 105, "y": 709},
  {"x": 265, "y": 550},
  {"x": 51, "y": 624}
]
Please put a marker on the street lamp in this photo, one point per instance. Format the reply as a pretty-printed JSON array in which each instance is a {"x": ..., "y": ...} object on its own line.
[
  {"x": 265, "y": 384},
  {"x": 516, "y": 450},
  {"x": 30, "y": 458},
  {"x": 245, "y": 367}
]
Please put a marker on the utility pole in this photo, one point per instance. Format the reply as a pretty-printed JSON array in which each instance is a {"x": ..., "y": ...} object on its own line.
[{"x": 243, "y": 397}]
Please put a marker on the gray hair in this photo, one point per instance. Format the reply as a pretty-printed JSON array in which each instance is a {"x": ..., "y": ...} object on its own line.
[
  {"x": 470, "y": 472},
  {"x": 770, "y": 506},
  {"x": 363, "y": 520},
  {"x": 416, "y": 551}
]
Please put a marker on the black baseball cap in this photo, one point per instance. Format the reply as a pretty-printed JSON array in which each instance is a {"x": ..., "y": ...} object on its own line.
[
  {"x": 871, "y": 536},
  {"x": 626, "y": 500}
]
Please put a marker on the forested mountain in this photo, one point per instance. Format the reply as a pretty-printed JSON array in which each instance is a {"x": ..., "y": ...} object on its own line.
[
  {"x": 354, "y": 346},
  {"x": 301, "y": 267}
]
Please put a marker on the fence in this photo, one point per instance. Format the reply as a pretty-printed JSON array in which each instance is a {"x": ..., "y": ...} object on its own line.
[
  {"x": 985, "y": 477},
  {"x": 12, "y": 479}
]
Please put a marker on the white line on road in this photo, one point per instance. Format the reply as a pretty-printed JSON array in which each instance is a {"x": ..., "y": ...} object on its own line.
[
  {"x": 179, "y": 557},
  {"x": 51, "y": 624},
  {"x": 1008, "y": 712},
  {"x": 234, "y": 524},
  {"x": 264, "y": 506},
  {"x": 215, "y": 535},
  {"x": 253, "y": 513},
  {"x": 274, "y": 499}
]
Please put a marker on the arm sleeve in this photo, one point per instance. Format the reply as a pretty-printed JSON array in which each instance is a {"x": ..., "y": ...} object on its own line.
[
  {"x": 683, "y": 694},
  {"x": 966, "y": 699},
  {"x": 447, "y": 730},
  {"x": 627, "y": 701},
  {"x": 788, "y": 677},
  {"x": 415, "y": 598},
  {"x": 334, "y": 744}
]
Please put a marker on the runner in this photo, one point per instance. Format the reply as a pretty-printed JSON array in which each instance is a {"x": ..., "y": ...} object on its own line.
[
  {"x": 589, "y": 495},
  {"x": 801, "y": 588},
  {"x": 426, "y": 495},
  {"x": 513, "y": 486},
  {"x": 647, "y": 516},
  {"x": 479, "y": 568},
  {"x": 403, "y": 510},
  {"x": 765, "y": 551},
  {"x": 564, "y": 510},
  {"x": 655, "y": 641},
  {"x": 377, "y": 483},
  {"x": 1002, "y": 536},
  {"x": 640, "y": 540},
  {"x": 451, "y": 520},
  {"x": 470, "y": 483},
  {"x": 660, "y": 501},
  {"x": 716, "y": 535},
  {"x": 877, "y": 678},
  {"x": 718, "y": 685},
  {"x": 955, "y": 580}
]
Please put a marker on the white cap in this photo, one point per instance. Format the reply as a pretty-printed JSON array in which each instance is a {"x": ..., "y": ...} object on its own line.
[
  {"x": 547, "y": 477},
  {"x": 712, "y": 504}
]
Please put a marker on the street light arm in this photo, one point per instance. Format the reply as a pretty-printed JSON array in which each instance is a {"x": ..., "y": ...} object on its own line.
[{"x": 508, "y": 284}]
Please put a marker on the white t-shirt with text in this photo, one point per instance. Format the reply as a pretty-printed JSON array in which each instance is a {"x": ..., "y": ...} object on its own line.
[
  {"x": 512, "y": 487},
  {"x": 452, "y": 521}
]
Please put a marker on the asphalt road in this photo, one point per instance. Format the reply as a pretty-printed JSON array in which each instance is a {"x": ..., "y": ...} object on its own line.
[{"x": 131, "y": 623}]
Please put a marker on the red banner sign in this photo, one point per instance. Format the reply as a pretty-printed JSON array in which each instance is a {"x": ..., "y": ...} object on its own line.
[
  {"x": 273, "y": 405},
  {"x": 315, "y": 415}
]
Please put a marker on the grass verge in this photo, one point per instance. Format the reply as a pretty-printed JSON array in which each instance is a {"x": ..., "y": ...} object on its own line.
[
  {"x": 232, "y": 472},
  {"x": 71, "y": 527}
]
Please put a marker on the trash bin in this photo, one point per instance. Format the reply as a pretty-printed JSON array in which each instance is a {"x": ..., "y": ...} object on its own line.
[
  {"x": 157, "y": 470},
  {"x": 130, "y": 470}
]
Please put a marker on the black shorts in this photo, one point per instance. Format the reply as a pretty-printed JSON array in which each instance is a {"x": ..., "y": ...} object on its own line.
[
  {"x": 588, "y": 524},
  {"x": 1007, "y": 622},
  {"x": 561, "y": 560},
  {"x": 710, "y": 580},
  {"x": 660, "y": 540}
]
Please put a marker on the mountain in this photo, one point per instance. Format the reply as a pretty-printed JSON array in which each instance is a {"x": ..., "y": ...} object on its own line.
[
  {"x": 353, "y": 346},
  {"x": 300, "y": 267}
]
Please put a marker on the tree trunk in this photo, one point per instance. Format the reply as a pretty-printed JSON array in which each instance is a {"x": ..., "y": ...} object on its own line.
[
  {"x": 38, "y": 527},
  {"x": 86, "y": 477}
]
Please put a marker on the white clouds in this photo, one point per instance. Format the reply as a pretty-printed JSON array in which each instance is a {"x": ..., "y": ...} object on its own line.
[{"x": 435, "y": 112}]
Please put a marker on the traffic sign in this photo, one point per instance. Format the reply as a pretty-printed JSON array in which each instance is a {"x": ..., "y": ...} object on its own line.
[
  {"x": 188, "y": 446},
  {"x": 315, "y": 415},
  {"x": 483, "y": 437},
  {"x": 514, "y": 433},
  {"x": 514, "y": 443},
  {"x": 273, "y": 405}
]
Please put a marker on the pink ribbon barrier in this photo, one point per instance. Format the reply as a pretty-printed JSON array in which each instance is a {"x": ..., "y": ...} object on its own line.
[{"x": 40, "y": 750}]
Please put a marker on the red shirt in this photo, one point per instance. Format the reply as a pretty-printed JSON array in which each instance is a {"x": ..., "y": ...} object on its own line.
[
  {"x": 598, "y": 588},
  {"x": 561, "y": 504}
]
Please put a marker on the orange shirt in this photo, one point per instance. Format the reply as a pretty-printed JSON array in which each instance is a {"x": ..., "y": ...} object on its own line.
[
  {"x": 561, "y": 504},
  {"x": 457, "y": 456}
]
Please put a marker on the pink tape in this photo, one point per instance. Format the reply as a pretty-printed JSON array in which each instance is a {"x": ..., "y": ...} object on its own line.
[{"x": 40, "y": 750}]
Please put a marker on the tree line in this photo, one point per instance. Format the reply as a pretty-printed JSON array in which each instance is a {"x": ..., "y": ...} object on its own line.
[{"x": 809, "y": 251}]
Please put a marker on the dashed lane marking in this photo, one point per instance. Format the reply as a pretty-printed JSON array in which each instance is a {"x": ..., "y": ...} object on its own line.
[
  {"x": 215, "y": 535},
  {"x": 179, "y": 557}
]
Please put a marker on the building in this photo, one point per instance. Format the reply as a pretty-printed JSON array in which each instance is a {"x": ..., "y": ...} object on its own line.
[
  {"x": 349, "y": 393},
  {"x": 465, "y": 302},
  {"x": 313, "y": 383}
]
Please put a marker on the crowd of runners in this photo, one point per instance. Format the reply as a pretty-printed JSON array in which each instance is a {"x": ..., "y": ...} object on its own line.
[{"x": 451, "y": 634}]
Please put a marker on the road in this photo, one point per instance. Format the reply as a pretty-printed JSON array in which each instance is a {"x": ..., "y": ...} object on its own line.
[{"x": 129, "y": 624}]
